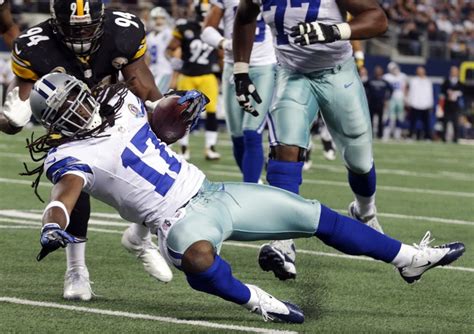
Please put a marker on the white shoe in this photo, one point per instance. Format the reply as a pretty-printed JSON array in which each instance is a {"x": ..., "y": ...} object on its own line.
[
  {"x": 271, "y": 308},
  {"x": 77, "y": 285},
  {"x": 278, "y": 256},
  {"x": 307, "y": 165},
  {"x": 329, "y": 155},
  {"x": 211, "y": 154},
  {"x": 430, "y": 257},
  {"x": 370, "y": 220},
  {"x": 148, "y": 253}
]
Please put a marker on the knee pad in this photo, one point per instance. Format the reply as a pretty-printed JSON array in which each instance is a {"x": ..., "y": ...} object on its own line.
[{"x": 358, "y": 158}]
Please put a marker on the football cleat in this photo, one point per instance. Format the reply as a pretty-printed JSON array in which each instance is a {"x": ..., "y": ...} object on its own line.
[
  {"x": 329, "y": 155},
  {"x": 211, "y": 154},
  {"x": 272, "y": 309},
  {"x": 279, "y": 257},
  {"x": 185, "y": 153},
  {"x": 147, "y": 252},
  {"x": 370, "y": 220},
  {"x": 430, "y": 257},
  {"x": 77, "y": 285}
]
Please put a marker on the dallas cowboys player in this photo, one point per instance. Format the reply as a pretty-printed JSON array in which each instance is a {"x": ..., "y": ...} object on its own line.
[
  {"x": 245, "y": 129},
  {"x": 120, "y": 161},
  {"x": 157, "y": 40},
  {"x": 316, "y": 72}
]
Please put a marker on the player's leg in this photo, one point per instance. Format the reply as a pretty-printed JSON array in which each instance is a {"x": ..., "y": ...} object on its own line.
[
  {"x": 344, "y": 108},
  {"x": 263, "y": 78},
  {"x": 76, "y": 280},
  {"x": 249, "y": 212},
  {"x": 290, "y": 119},
  {"x": 163, "y": 82},
  {"x": 234, "y": 114},
  {"x": 399, "y": 119},
  {"x": 185, "y": 82},
  {"x": 209, "y": 85},
  {"x": 137, "y": 240}
]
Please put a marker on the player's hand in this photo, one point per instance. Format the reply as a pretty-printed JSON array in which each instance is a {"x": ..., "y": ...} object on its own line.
[
  {"x": 16, "y": 111},
  {"x": 196, "y": 102},
  {"x": 315, "y": 32},
  {"x": 53, "y": 237},
  {"x": 226, "y": 44},
  {"x": 244, "y": 88}
]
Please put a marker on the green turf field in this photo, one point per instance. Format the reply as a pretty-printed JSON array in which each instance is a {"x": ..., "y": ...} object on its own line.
[{"x": 421, "y": 186}]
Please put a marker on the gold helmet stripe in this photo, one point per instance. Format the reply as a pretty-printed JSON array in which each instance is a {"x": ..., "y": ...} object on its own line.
[{"x": 80, "y": 7}]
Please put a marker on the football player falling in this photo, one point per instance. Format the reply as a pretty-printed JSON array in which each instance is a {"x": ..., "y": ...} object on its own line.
[
  {"x": 148, "y": 183},
  {"x": 316, "y": 72},
  {"x": 92, "y": 43}
]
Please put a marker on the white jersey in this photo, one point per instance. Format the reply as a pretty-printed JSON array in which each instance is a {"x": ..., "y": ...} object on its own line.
[
  {"x": 157, "y": 42},
  {"x": 398, "y": 83},
  {"x": 263, "y": 52},
  {"x": 129, "y": 168},
  {"x": 281, "y": 15}
]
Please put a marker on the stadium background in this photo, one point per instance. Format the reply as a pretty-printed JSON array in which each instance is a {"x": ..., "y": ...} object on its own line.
[{"x": 422, "y": 186}]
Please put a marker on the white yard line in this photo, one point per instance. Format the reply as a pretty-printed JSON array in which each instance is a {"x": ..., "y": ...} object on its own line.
[
  {"x": 121, "y": 314},
  {"x": 379, "y": 187},
  {"x": 248, "y": 245},
  {"x": 448, "y": 175}
]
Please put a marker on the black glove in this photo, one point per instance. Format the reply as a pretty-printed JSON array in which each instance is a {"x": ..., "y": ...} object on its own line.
[
  {"x": 315, "y": 32},
  {"x": 244, "y": 88}
]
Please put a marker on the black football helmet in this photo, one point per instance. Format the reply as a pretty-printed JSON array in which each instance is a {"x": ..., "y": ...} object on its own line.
[{"x": 80, "y": 24}]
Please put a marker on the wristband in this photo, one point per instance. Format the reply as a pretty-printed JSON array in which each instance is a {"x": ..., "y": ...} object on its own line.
[
  {"x": 241, "y": 67},
  {"x": 59, "y": 205},
  {"x": 344, "y": 30}
]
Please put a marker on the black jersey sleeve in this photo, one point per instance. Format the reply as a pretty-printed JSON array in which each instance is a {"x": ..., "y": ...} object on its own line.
[
  {"x": 127, "y": 32},
  {"x": 30, "y": 56}
]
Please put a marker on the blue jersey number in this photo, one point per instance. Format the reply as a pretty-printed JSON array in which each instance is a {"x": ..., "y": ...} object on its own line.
[
  {"x": 280, "y": 9},
  {"x": 162, "y": 182},
  {"x": 153, "y": 54}
]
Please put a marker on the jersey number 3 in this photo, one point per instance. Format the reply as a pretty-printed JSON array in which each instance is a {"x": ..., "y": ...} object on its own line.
[{"x": 141, "y": 142}]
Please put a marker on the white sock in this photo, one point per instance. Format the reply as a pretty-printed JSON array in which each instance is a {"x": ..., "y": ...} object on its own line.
[
  {"x": 211, "y": 138},
  {"x": 404, "y": 256},
  {"x": 365, "y": 206},
  {"x": 139, "y": 233},
  {"x": 76, "y": 256},
  {"x": 254, "y": 299},
  {"x": 185, "y": 140}
]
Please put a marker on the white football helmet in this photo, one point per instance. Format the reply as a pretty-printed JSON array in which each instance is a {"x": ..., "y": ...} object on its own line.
[
  {"x": 159, "y": 18},
  {"x": 64, "y": 104}
]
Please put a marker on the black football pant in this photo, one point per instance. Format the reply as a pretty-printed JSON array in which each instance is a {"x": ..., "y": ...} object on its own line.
[{"x": 80, "y": 216}]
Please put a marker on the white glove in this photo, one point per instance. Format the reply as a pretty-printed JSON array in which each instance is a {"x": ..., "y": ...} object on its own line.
[
  {"x": 151, "y": 105},
  {"x": 227, "y": 44},
  {"x": 16, "y": 111}
]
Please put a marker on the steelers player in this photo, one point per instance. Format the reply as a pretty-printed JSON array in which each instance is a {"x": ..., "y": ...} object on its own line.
[
  {"x": 197, "y": 73},
  {"x": 93, "y": 44}
]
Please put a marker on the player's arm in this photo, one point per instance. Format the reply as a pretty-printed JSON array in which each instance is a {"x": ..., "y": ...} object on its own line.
[
  {"x": 243, "y": 37},
  {"x": 210, "y": 34},
  {"x": 141, "y": 80},
  {"x": 56, "y": 215},
  {"x": 369, "y": 20},
  {"x": 8, "y": 28},
  {"x": 16, "y": 111}
]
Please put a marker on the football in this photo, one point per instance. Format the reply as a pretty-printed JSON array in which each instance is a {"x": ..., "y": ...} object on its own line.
[{"x": 167, "y": 121}]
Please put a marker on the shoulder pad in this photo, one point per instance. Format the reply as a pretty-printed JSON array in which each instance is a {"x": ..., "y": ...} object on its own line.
[
  {"x": 127, "y": 32},
  {"x": 31, "y": 46}
]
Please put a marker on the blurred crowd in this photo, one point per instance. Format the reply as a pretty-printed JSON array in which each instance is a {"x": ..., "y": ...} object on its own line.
[
  {"x": 437, "y": 22},
  {"x": 407, "y": 108}
]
